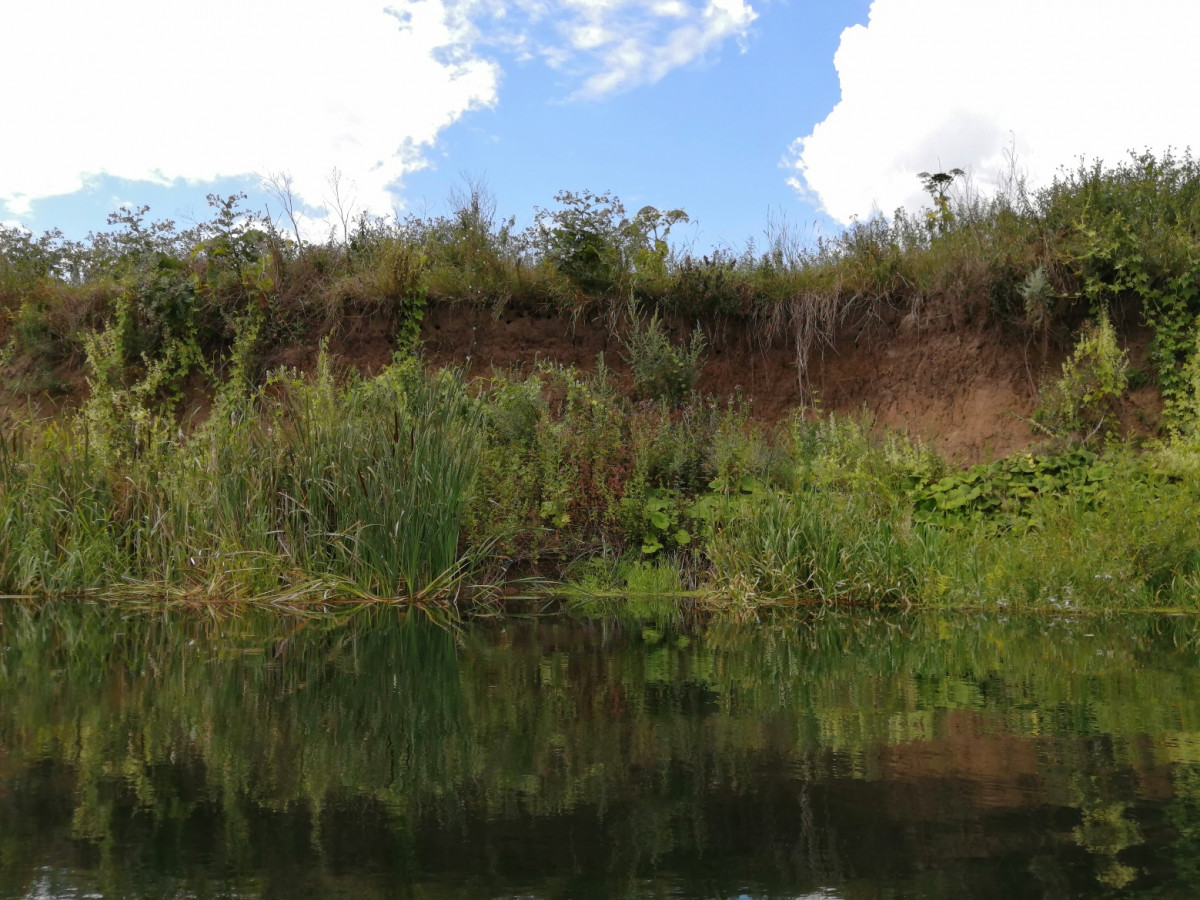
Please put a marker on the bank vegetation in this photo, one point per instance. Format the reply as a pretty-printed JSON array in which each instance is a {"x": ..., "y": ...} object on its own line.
[{"x": 443, "y": 486}]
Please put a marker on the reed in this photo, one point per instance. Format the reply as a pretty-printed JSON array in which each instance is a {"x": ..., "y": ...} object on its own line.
[
  {"x": 813, "y": 546},
  {"x": 363, "y": 484}
]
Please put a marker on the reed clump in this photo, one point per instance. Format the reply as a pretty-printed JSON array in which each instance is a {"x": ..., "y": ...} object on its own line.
[{"x": 361, "y": 484}]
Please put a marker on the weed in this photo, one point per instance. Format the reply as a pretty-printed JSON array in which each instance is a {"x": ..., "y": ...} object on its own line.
[
  {"x": 662, "y": 369},
  {"x": 1084, "y": 399}
]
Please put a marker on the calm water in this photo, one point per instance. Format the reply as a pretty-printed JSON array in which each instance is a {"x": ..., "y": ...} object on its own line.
[{"x": 956, "y": 756}]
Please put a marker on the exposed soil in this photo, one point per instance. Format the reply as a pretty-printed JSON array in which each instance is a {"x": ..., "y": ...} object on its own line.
[
  {"x": 964, "y": 388},
  {"x": 967, "y": 390}
]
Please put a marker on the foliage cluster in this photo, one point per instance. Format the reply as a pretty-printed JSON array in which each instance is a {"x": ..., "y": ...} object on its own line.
[
  {"x": 573, "y": 468},
  {"x": 313, "y": 483},
  {"x": 1084, "y": 400},
  {"x": 1120, "y": 242},
  {"x": 1000, "y": 493}
]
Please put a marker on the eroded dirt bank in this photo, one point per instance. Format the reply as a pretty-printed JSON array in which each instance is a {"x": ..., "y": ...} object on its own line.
[{"x": 967, "y": 391}]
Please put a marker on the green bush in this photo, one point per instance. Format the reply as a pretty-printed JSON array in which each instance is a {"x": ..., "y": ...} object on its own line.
[
  {"x": 555, "y": 467},
  {"x": 1085, "y": 399},
  {"x": 1136, "y": 548},
  {"x": 662, "y": 369},
  {"x": 1003, "y": 494}
]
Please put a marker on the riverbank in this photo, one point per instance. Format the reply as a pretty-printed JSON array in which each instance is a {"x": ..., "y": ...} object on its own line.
[
  {"x": 437, "y": 410},
  {"x": 425, "y": 487}
]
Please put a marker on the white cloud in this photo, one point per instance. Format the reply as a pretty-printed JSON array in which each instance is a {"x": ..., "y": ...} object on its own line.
[
  {"x": 930, "y": 85},
  {"x": 643, "y": 42},
  {"x": 156, "y": 91},
  {"x": 615, "y": 45},
  {"x": 146, "y": 90}
]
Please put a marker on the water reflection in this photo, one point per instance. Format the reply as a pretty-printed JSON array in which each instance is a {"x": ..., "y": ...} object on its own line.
[{"x": 842, "y": 757}]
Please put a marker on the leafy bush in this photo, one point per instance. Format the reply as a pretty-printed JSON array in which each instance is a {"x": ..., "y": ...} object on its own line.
[
  {"x": 583, "y": 239},
  {"x": 996, "y": 495},
  {"x": 1085, "y": 398},
  {"x": 1138, "y": 547},
  {"x": 590, "y": 240},
  {"x": 662, "y": 369},
  {"x": 555, "y": 466}
]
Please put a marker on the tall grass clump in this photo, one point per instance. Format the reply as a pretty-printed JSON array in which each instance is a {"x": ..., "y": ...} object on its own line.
[
  {"x": 832, "y": 525},
  {"x": 55, "y": 523},
  {"x": 362, "y": 484},
  {"x": 813, "y": 546},
  {"x": 372, "y": 480}
]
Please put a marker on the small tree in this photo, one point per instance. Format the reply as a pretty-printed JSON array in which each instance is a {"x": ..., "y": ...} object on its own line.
[{"x": 937, "y": 186}]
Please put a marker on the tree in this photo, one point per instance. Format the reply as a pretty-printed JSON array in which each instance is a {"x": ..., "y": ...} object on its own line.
[{"x": 937, "y": 186}]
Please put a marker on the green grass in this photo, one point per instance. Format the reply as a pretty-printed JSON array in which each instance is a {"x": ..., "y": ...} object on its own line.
[{"x": 362, "y": 484}]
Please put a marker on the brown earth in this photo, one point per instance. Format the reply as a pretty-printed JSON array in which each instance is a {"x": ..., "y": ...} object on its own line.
[{"x": 966, "y": 389}]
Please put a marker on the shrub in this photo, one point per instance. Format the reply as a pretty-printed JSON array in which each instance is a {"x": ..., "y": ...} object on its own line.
[
  {"x": 1084, "y": 399},
  {"x": 555, "y": 467},
  {"x": 709, "y": 286},
  {"x": 582, "y": 239},
  {"x": 662, "y": 369}
]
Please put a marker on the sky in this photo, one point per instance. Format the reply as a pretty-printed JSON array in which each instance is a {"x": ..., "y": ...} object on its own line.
[{"x": 748, "y": 114}]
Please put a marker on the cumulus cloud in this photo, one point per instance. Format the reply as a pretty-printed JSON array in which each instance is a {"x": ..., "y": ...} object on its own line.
[
  {"x": 144, "y": 90},
  {"x": 929, "y": 85},
  {"x": 151, "y": 91}
]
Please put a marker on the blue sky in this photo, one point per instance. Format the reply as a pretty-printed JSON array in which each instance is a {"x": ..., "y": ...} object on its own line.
[
  {"x": 710, "y": 137},
  {"x": 738, "y": 111}
]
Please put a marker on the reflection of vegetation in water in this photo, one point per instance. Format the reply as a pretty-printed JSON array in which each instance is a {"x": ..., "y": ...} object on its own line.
[
  {"x": 1105, "y": 831},
  {"x": 1183, "y": 814},
  {"x": 578, "y": 749},
  {"x": 197, "y": 724}
]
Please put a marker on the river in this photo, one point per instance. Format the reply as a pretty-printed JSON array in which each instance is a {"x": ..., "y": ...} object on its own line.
[{"x": 190, "y": 754}]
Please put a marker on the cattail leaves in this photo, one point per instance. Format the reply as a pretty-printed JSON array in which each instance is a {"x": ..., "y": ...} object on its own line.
[{"x": 362, "y": 484}]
